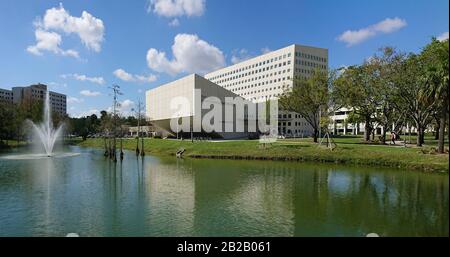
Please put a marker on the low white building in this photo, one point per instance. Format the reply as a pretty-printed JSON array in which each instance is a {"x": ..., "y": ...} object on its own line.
[
  {"x": 339, "y": 125},
  {"x": 181, "y": 101},
  {"x": 144, "y": 131}
]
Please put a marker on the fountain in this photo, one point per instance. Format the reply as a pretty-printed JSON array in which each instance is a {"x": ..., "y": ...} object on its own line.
[
  {"x": 45, "y": 131},
  {"x": 46, "y": 136}
]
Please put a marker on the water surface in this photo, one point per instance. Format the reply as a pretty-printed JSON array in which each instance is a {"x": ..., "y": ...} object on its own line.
[{"x": 89, "y": 195}]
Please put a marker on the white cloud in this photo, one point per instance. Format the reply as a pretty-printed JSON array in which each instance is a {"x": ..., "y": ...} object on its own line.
[
  {"x": 89, "y": 93},
  {"x": 175, "y": 8},
  {"x": 74, "y": 100},
  {"x": 443, "y": 36},
  {"x": 388, "y": 25},
  {"x": 239, "y": 56},
  {"x": 57, "y": 85},
  {"x": 125, "y": 76},
  {"x": 124, "y": 108},
  {"x": 126, "y": 104},
  {"x": 174, "y": 23},
  {"x": 87, "y": 113},
  {"x": 49, "y": 41},
  {"x": 97, "y": 80},
  {"x": 89, "y": 29},
  {"x": 191, "y": 54}
]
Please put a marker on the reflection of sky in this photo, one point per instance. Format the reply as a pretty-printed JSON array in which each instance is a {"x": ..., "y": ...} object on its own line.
[
  {"x": 378, "y": 182},
  {"x": 171, "y": 198},
  {"x": 340, "y": 182},
  {"x": 264, "y": 206}
]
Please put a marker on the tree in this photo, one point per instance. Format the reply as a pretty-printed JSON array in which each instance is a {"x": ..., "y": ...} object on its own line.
[
  {"x": 85, "y": 126},
  {"x": 385, "y": 68},
  {"x": 359, "y": 91},
  {"x": 309, "y": 97},
  {"x": 436, "y": 64},
  {"x": 105, "y": 122},
  {"x": 6, "y": 121},
  {"x": 411, "y": 94}
]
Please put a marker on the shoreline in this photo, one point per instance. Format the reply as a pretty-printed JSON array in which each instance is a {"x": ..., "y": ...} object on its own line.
[{"x": 358, "y": 155}]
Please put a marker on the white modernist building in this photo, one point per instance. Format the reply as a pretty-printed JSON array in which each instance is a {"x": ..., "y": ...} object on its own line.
[
  {"x": 181, "y": 101},
  {"x": 267, "y": 76},
  {"x": 256, "y": 80}
]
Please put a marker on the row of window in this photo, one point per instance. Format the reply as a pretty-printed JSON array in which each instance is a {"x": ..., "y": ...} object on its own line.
[
  {"x": 267, "y": 82},
  {"x": 310, "y": 64},
  {"x": 289, "y": 116},
  {"x": 58, "y": 104},
  {"x": 251, "y": 72},
  {"x": 260, "y": 90},
  {"x": 341, "y": 113},
  {"x": 57, "y": 96},
  {"x": 252, "y": 66},
  {"x": 281, "y": 57},
  {"x": 37, "y": 91},
  {"x": 266, "y": 97},
  {"x": 311, "y": 57},
  {"x": 296, "y": 132},
  {"x": 297, "y": 123}
]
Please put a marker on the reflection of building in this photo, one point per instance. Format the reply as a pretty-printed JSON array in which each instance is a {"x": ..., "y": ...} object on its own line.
[
  {"x": 192, "y": 91},
  {"x": 267, "y": 76}
]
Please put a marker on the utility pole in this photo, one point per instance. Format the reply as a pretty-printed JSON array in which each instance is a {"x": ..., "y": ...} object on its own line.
[{"x": 116, "y": 93}]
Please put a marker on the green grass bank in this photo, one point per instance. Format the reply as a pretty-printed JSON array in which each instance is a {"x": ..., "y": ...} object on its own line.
[{"x": 348, "y": 151}]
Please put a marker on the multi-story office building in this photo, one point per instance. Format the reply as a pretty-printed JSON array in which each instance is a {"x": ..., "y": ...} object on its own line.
[
  {"x": 267, "y": 76},
  {"x": 32, "y": 93},
  {"x": 6, "y": 96}
]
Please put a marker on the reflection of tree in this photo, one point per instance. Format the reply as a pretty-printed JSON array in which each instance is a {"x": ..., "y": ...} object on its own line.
[
  {"x": 310, "y": 201},
  {"x": 242, "y": 198},
  {"x": 389, "y": 203}
]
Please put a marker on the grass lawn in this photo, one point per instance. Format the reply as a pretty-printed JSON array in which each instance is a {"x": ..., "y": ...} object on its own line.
[
  {"x": 11, "y": 143},
  {"x": 349, "y": 150}
]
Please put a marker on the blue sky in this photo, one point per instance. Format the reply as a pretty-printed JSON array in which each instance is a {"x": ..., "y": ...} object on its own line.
[{"x": 141, "y": 44}]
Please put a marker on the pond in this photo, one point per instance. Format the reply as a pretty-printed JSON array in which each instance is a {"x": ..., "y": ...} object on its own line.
[{"x": 87, "y": 194}]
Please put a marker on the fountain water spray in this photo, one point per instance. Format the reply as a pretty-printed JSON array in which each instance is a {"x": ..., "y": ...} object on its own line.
[{"x": 45, "y": 131}]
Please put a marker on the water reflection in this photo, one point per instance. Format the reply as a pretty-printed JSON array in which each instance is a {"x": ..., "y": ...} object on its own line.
[{"x": 150, "y": 196}]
